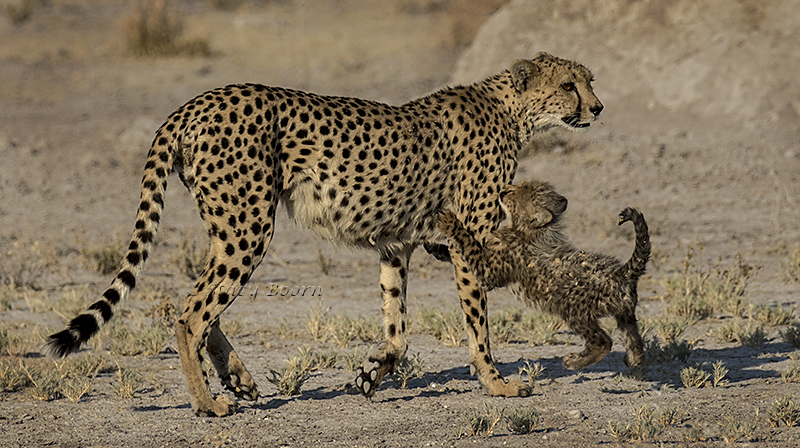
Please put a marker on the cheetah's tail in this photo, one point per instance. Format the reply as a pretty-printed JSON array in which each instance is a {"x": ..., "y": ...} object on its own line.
[
  {"x": 151, "y": 204},
  {"x": 635, "y": 267}
]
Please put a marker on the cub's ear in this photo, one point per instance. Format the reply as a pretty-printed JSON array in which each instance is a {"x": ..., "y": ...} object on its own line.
[
  {"x": 507, "y": 189},
  {"x": 541, "y": 217},
  {"x": 522, "y": 73}
]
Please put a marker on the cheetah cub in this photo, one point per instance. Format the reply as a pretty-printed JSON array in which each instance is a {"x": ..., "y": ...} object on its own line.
[{"x": 537, "y": 261}]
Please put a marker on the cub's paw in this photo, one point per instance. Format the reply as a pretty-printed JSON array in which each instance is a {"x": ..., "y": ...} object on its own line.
[
  {"x": 447, "y": 222},
  {"x": 633, "y": 359}
]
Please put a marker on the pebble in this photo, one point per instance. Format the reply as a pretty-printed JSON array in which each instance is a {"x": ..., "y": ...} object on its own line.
[{"x": 576, "y": 415}]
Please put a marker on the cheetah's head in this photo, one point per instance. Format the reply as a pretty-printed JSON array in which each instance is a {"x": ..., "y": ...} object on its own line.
[
  {"x": 554, "y": 92},
  {"x": 532, "y": 205}
]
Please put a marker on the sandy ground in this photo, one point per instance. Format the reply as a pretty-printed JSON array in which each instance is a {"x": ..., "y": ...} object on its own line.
[{"x": 78, "y": 113}]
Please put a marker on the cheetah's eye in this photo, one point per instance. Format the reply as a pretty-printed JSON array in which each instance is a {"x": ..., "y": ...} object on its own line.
[{"x": 568, "y": 86}]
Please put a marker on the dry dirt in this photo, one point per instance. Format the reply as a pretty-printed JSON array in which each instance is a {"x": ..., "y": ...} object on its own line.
[{"x": 78, "y": 112}]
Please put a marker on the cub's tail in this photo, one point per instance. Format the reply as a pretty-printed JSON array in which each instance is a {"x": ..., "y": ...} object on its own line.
[
  {"x": 635, "y": 267},
  {"x": 151, "y": 203}
]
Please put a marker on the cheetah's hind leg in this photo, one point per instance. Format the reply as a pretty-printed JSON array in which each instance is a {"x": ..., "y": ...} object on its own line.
[{"x": 231, "y": 370}]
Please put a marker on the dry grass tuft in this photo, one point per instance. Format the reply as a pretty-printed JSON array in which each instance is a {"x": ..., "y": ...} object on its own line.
[
  {"x": 24, "y": 263},
  {"x": 446, "y": 327},
  {"x": 155, "y": 28},
  {"x": 409, "y": 368}
]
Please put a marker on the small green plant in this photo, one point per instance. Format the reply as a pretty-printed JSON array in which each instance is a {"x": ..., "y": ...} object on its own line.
[
  {"x": 657, "y": 353},
  {"x": 24, "y": 263},
  {"x": 649, "y": 424},
  {"x": 503, "y": 325},
  {"x": 695, "y": 376},
  {"x": 311, "y": 360},
  {"x": 698, "y": 293},
  {"x": 754, "y": 338},
  {"x": 352, "y": 360},
  {"x": 13, "y": 375},
  {"x": 46, "y": 383},
  {"x": 20, "y": 11},
  {"x": 71, "y": 303},
  {"x": 484, "y": 423},
  {"x": 447, "y": 327},
  {"x": 409, "y": 368},
  {"x": 127, "y": 382},
  {"x": 694, "y": 435},
  {"x": 530, "y": 373},
  {"x": 718, "y": 375},
  {"x": 84, "y": 366},
  {"x": 290, "y": 379},
  {"x": 106, "y": 260},
  {"x": 735, "y": 331},
  {"x": 791, "y": 271},
  {"x": 8, "y": 295},
  {"x": 772, "y": 316},
  {"x": 785, "y": 411},
  {"x": 123, "y": 342},
  {"x": 153, "y": 338},
  {"x": 161, "y": 310},
  {"x": 13, "y": 345},
  {"x": 342, "y": 329},
  {"x": 541, "y": 327},
  {"x": 232, "y": 327},
  {"x": 316, "y": 322},
  {"x": 325, "y": 263},
  {"x": 667, "y": 417},
  {"x": 792, "y": 334},
  {"x": 670, "y": 330},
  {"x": 191, "y": 257},
  {"x": 75, "y": 388},
  {"x": 792, "y": 374},
  {"x": 734, "y": 430},
  {"x": 523, "y": 420},
  {"x": 155, "y": 29},
  {"x": 621, "y": 432}
]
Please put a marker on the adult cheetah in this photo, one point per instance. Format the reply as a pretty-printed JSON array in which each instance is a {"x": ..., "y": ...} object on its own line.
[
  {"x": 357, "y": 172},
  {"x": 545, "y": 270}
]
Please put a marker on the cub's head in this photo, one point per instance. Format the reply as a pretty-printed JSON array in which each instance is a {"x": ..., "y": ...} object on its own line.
[
  {"x": 532, "y": 205},
  {"x": 554, "y": 92}
]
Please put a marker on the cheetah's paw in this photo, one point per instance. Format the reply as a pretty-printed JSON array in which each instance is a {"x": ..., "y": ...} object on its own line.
[
  {"x": 246, "y": 390},
  {"x": 222, "y": 406}
]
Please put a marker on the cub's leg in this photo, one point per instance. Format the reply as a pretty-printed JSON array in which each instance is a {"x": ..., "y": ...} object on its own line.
[
  {"x": 634, "y": 346},
  {"x": 384, "y": 357},
  {"x": 473, "y": 303},
  {"x": 598, "y": 343}
]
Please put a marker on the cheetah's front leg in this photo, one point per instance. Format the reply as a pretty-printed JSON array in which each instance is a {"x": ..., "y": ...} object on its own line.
[
  {"x": 383, "y": 358},
  {"x": 473, "y": 303}
]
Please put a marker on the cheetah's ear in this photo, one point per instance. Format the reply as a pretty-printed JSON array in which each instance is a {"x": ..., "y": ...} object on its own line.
[
  {"x": 541, "y": 218},
  {"x": 522, "y": 73}
]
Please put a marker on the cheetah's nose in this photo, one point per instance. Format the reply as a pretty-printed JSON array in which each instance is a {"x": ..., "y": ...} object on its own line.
[{"x": 596, "y": 109}]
